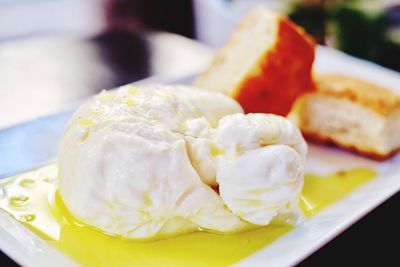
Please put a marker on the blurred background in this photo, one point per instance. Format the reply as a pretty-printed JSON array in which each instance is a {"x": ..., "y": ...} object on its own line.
[
  {"x": 369, "y": 29},
  {"x": 55, "y": 52}
]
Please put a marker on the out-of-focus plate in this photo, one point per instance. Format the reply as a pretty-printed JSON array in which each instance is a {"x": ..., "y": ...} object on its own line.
[{"x": 28, "y": 249}]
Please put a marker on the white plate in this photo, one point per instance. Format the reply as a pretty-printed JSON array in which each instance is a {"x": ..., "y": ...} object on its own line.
[{"x": 29, "y": 250}]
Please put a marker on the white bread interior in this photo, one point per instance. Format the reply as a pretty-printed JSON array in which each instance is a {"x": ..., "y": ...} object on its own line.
[
  {"x": 349, "y": 124},
  {"x": 225, "y": 74}
]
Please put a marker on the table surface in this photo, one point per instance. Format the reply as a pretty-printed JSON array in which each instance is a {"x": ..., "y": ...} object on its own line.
[{"x": 42, "y": 75}]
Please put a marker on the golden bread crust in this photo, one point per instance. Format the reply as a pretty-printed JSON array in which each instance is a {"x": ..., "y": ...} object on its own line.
[
  {"x": 278, "y": 74},
  {"x": 369, "y": 95},
  {"x": 284, "y": 73}
]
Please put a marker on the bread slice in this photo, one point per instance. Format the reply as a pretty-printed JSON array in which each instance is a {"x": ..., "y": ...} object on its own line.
[
  {"x": 265, "y": 65},
  {"x": 350, "y": 113}
]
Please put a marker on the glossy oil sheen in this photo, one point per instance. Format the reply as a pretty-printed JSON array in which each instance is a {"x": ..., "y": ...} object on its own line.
[
  {"x": 321, "y": 191},
  {"x": 32, "y": 199}
]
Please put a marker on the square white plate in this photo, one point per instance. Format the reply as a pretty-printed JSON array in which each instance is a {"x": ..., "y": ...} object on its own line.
[{"x": 29, "y": 250}]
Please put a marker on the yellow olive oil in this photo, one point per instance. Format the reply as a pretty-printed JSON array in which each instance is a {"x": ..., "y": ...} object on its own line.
[
  {"x": 32, "y": 199},
  {"x": 321, "y": 191}
]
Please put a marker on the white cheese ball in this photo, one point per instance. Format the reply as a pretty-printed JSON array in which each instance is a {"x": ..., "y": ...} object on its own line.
[
  {"x": 124, "y": 168},
  {"x": 146, "y": 161}
]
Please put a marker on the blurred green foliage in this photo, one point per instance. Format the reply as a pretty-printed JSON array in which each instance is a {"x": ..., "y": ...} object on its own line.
[{"x": 362, "y": 28}]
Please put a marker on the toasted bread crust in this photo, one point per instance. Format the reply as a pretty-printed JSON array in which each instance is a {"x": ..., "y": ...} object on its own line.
[
  {"x": 279, "y": 74},
  {"x": 371, "y": 96},
  {"x": 284, "y": 73}
]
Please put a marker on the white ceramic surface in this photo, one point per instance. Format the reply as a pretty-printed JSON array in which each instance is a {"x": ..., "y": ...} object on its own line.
[{"x": 29, "y": 250}]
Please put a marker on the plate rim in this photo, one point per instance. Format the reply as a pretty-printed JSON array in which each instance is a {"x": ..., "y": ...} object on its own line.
[{"x": 38, "y": 252}]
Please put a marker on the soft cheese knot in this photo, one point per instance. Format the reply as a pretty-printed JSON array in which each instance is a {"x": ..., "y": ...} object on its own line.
[{"x": 147, "y": 161}]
